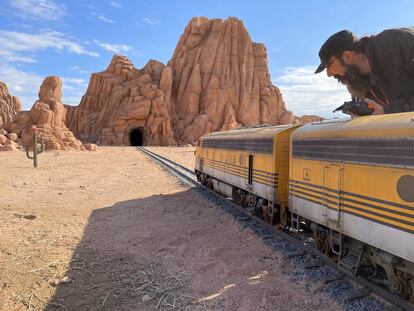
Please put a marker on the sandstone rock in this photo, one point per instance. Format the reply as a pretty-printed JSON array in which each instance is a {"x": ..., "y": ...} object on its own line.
[
  {"x": 90, "y": 147},
  {"x": 64, "y": 280},
  {"x": 286, "y": 117},
  {"x": 217, "y": 79},
  {"x": 9, "y": 105},
  {"x": 307, "y": 119},
  {"x": 12, "y": 136},
  {"x": 24, "y": 118},
  {"x": 10, "y": 145},
  {"x": 51, "y": 89},
  {"x": 220, "y": 74},
  {"x": 46, "y": 118},
  {"x": 123, "y": 104},
  {"x": 2, "y": 139}
]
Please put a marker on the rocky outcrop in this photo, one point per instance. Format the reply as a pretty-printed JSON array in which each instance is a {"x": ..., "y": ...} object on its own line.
[
  {"x": 122, "y": 102},
  {"x": 221, "y": 80},
  {"x": 9, "y": 105},
  {"x": 217, "y": 79},
  {"x": 46, "y": 118},
  {"x": 307, "y": 119},
  {"x": 8, "y": 141}
]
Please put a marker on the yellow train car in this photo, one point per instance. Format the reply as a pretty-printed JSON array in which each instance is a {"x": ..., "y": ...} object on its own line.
[
  {"x": 250, "y": 165},
  {"x": 354, "y": 180}
]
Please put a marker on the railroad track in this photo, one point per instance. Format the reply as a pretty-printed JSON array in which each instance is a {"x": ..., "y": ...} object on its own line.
[{"x": 302, "y": 248}]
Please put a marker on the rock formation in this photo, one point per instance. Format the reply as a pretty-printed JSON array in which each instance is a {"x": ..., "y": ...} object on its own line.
[
  {"x": 217, "y": 79},
  {"x": 306, "y": 119},
  {"x": 123, "y": 102},
  {"x": 46, "y": 118},
  {"x": 221, "y": 80},
  {"x": 9, "y": 105}
]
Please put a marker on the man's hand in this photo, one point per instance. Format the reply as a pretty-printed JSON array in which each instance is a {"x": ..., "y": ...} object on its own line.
[{"x": 378, "y": 109}]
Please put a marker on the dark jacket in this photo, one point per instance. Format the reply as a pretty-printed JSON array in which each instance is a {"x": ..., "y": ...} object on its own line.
[{"x": 391, "y": 54}]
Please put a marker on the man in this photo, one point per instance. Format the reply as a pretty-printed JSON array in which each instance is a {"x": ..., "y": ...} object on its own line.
[{"x": 378, "y": 69}]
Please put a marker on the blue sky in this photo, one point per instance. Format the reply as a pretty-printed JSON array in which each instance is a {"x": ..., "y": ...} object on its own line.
[{"x": 72, "y": 39}]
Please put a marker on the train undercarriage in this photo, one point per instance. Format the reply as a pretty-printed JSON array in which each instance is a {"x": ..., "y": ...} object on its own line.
[{"x": 372, "y": 263}]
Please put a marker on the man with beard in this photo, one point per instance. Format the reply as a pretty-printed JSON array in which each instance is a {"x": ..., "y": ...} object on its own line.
[{"x": 378, "y": 69}]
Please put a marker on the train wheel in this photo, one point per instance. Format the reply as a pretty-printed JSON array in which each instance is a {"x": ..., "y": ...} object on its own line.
[
  {"x": 269, "y": 213},
  {"x": 244, "y": 201},
  {"x": 401, "y": 285}
]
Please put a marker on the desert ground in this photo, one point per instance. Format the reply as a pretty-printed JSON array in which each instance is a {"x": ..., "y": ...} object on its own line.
[{"x": 111, "y": 230}]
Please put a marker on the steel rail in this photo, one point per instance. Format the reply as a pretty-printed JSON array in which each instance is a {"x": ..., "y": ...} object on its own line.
[{"x": 189, "y": 177}]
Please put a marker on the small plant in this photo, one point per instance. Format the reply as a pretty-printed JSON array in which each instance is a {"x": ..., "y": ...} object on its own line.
[{"x": 37, "y": 149}]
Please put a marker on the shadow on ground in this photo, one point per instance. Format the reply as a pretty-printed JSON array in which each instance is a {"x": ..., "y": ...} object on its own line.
[{"x": 121, "y": 258}]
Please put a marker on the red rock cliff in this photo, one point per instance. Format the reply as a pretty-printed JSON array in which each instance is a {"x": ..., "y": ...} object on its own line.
[
  {"x": 9, "y": 105},
  {"x": 221, "y": 80},
  {"x": 122, "y": 99},
  {"x": 216, "y": 79}
]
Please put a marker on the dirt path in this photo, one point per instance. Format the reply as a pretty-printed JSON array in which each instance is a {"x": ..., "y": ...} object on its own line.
[{"x": 109, "y": 230}]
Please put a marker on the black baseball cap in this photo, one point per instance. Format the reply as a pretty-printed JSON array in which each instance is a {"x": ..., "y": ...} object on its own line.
[{"x": 337, "y": 43}]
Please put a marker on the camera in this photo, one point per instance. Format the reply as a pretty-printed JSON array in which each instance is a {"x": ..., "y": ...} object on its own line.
[{"x": 356, "y": 107}]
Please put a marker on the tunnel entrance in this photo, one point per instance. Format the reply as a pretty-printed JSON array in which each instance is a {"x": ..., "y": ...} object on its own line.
[{"x": 136, "y": 137}]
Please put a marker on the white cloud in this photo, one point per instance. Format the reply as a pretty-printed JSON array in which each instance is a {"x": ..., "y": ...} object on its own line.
[
  {"x": 72, "y": 83},
  {"x": 11, "y": 57},
  {"x": 103, "y": 18},
  {"x": 114, "y": 48},
  {"x": 150, "y": 21},
  {"x": 307, "y": 93},
  {"x": 25, "y": 85},
  {"x": 72, "y": 90},
  {"x": 39, "y": 9},
  {"x": 78, "y": 69},
  {"x": 13, "y": 43},
  {"x": 115, "y": 4}
]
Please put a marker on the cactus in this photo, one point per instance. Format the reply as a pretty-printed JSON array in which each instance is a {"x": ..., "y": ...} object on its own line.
[{"x": 36, "y": 149}]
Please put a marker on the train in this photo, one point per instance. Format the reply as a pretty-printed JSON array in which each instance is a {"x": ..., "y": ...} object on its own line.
[{"x": 348, "y": 183}]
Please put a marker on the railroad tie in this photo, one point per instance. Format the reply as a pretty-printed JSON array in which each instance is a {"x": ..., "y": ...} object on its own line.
[
  {"x": 332, "y": 278},
  {"x": 293, "y": 254},
  {"x": 313, "y": 264},
  {"x": 270, "y": 236},
  {"x": 353, "y": 294}
]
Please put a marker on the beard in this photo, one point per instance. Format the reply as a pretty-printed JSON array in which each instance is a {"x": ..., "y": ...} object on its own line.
[{"x": 357, "y": 84}]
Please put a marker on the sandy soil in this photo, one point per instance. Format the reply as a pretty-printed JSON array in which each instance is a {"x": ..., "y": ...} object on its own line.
[{"x": 110, "y": 230}]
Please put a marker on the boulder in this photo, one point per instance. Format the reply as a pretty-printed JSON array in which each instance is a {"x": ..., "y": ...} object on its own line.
[
  {"x": 90, "y": 147},
  {"x": 12, "y": 136},
  {"x": 3, "y": 139},
  {"x": 46, "y": 118},
  {"x": 9, "y": 145}
]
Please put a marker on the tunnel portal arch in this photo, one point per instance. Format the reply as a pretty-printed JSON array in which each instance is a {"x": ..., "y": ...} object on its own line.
[{"x": 136, "y": 137}]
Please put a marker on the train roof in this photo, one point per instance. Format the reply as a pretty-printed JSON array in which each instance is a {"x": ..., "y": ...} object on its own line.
[
  {"x": 254, "y": 132},
  {"x": 395, "y": 124}
]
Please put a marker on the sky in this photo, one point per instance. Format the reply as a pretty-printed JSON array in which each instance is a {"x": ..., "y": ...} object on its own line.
[{"x": 72, "y": 39}]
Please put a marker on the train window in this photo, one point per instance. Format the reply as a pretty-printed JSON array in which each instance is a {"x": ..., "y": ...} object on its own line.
[{"x": 250, "y": 177}]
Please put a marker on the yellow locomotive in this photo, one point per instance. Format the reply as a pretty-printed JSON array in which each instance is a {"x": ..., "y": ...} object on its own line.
[{"x": 350, "y": 182}]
